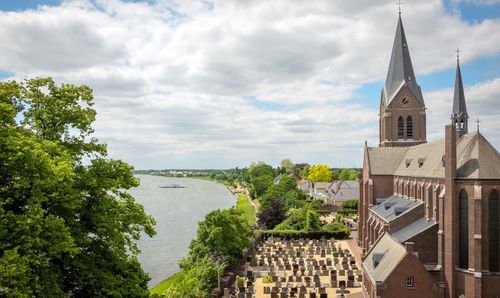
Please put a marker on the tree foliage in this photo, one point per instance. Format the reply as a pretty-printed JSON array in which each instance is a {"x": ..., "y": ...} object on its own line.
[
  {"x": 320, "y": 173},
  {"x": 261, "y": 177},
  {"x": 278, "y": 199},
  {"x": 223, "y": 234},
  {"x": 350, "y": 204},
  {"x": 273, "y": 214},
  {"x": 198, "y": 280},
  {"x": 337, "y": 228},
  {"x": 348, "y": 174},
  {"x": 66, "y": 228},
  {"x": 221, "y": 239},
  {"x": 288, "y": 165}
]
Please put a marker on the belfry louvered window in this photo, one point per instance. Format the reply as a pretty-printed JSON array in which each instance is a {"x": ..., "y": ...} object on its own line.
[
  {"x": 401, "y": 128},
  {"x": 463, "y": 230},
  {"x": 493, "y": 230},
  {"x": 409, "y": 128}
]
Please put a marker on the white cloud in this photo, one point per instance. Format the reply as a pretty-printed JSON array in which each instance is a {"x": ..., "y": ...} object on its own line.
[{"x": 171, "y": 78}]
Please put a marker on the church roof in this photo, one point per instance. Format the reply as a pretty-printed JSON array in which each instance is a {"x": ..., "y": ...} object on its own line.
[
  {"x": 394, "y": 207},
  {"x": 459, "y": 106},
  {"x": 400, "y": 69},
  {"x": 476, "y": 159},
  {"x": 385, "y": 160},
  {"x": 414, "y": 229},
  {"x": 383, "y": 258}
]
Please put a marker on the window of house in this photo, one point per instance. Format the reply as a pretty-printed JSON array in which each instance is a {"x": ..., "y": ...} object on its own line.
[{"x": 409, "y": 282}]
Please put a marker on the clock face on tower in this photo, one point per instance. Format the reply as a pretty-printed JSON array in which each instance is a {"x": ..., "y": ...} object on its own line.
[{"x": 405, "y": 101}]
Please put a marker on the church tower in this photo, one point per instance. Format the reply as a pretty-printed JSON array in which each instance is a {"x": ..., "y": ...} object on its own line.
[
  {"x": 402, "y": 119},
  {"x": 459, "y": 117}
]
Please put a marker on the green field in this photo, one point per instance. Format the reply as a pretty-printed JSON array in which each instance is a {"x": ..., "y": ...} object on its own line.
[
  {"x": 162, "y": 286},
  {"x": 248, "y": 212}
]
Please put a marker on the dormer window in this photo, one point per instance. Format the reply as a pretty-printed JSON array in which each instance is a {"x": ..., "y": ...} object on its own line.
[
  {"x": 421, "y": 162},
  {"x": 408, "y": 162},
  {"x": 376, "y": 258},
  {"x": 389, "y": 205},
  {"x": 399, "y": 210}
]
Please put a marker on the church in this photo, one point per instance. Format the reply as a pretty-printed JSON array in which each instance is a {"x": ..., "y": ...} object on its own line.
[{"x": 429, "y": 213}]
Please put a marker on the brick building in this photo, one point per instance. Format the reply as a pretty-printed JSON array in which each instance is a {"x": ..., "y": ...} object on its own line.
[{"x": 429, "y": 213}]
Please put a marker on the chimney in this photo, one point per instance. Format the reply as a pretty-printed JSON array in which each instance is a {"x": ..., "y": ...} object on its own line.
[
  {"x": 409, "y": 247},
  {"x": 386, "y": 228}
]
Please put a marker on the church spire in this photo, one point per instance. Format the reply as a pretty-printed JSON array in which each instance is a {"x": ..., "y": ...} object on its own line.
[
  {"x": 400, "y": 68},
  {"x": 459, "y": 114}
]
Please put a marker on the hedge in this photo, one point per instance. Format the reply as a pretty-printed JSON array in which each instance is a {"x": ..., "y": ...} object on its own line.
[
  {"x": 347, "y": 211},
  {"x": 302, "y": 234}
]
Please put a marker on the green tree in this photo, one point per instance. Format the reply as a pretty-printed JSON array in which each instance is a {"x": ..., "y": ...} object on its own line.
[
  {"x": 198, "y": 280},
  {"x": 320, "y": 173},
  {"x": 344, "y": 174},
  {"x": 350, "y": 204},
  {"x": 353, "y": 174},
  {"x": 261, "y": 177},
  {"x": 312, "y": 221},
  {"x": 222, "y": 234},
  {"x": 288, "y": 165},
  {"x": 66, "y": 227},
  {"x": 305, "y": 172}
]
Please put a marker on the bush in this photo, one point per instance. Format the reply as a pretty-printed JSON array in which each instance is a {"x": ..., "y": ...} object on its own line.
[
  {"x": 347, "y": 212},
  {"x": 267, "y": 279},
  {"x": 351, "y": 204},
  {"x": 340, "y": 234},
  {"x": 240, "y": 282},
  {"x": 337, "y": 228}
]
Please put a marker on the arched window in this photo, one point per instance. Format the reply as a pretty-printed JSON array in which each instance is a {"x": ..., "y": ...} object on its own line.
[
  {"x": 401, "y": 128},
  {"x": 463, "y": 231},
  {"x": 409, "y": 128},
  {"x": 493, "y": 229}
]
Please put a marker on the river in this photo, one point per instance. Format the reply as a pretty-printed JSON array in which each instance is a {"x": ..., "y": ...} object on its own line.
[{"x": 177, "y": 212}]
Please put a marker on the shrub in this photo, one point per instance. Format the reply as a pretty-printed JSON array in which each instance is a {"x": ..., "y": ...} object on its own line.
[
  {"x": 337, "y": 228},
  {"x": 351, "y": 204},
  {"x": 267, "y": 279}
]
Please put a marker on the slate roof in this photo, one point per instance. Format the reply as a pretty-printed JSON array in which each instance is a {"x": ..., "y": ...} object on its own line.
[
  {"x": 413, "y": 229},
  {"x": 476, "y": 159},
  {"x": 389, "y": 208},
  {"x": 389, "y": 253},
  {"x": 345, "y": 190},
  {"x": 459, "y": 106},
  {"x": 400, "y": 71},
  {"x": 385, "y": 160}
]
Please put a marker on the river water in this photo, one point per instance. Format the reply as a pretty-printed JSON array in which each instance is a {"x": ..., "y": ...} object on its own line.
[{"x": 177, "y": 212}]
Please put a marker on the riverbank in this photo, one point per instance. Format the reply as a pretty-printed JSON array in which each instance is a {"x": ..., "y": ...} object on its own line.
[
  {"x": 248, "y": 212},
  {"x": 177, "y": 212}
]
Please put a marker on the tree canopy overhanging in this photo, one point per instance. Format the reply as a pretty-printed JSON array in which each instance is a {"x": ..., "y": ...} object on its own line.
[{"x": 67, "y": 227}]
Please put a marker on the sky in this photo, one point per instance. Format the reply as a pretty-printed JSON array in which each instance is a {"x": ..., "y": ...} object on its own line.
[{"x": 220, "y": 84}]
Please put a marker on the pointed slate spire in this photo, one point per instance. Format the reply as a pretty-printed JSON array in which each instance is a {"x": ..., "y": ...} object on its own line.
[
  {"x": 400, "y": 68},
  {"x": 459, "y": 114}
]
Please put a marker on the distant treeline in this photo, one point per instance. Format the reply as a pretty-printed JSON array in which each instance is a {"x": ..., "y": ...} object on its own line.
[{"x": 241, "y": 174}]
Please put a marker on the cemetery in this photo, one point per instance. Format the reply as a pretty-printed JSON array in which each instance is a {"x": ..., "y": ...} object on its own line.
[{"x": 299, "y": 267}]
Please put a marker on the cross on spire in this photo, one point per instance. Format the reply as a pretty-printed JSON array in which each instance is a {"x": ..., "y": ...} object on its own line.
[
  {"x": 458, "y": 54},
  {"x": 477, "y": 123},
  {"x": 399, "y": 3}
]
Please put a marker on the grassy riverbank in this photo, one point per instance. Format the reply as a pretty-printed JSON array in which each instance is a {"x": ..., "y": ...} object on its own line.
[
  {"x": 162, "y": 286},
  {"x": 248, "y": 212}
]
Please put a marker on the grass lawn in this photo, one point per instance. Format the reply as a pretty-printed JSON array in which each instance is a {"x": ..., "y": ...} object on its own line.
[
  {"x": 162, "y": 286},
  {"x": 244, "y": 205}
]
